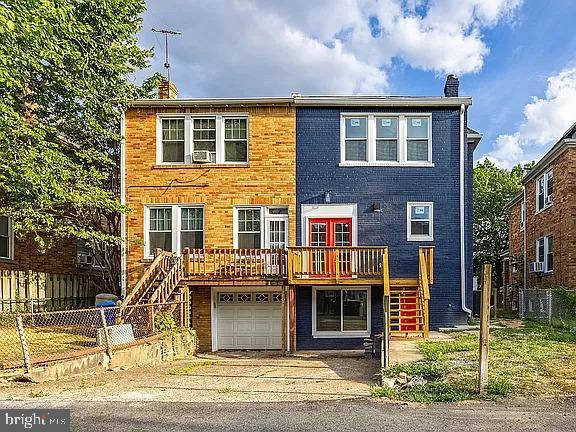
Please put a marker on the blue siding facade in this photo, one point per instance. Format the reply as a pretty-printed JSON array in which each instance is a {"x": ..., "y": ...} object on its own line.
[{"x": 318, "y": 171}]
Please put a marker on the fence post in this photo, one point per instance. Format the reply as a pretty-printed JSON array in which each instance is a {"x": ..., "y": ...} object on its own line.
[
  {"x": 484, "y": 328},
  {"x": 151, "y": 318},
  {"x": 106, "y": 334},
  {"x": 186, "y": 291},
  {"x": 550, "y": 306},
  {"x": 25, "y": 353}
]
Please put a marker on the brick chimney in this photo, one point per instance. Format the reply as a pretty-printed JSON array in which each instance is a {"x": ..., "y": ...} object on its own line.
[
  {"x": 451, "y": 86},
  {"x": 167, "y": 90}
]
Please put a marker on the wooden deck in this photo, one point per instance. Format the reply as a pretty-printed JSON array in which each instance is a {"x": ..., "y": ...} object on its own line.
[{"x": 355, "y": 265}]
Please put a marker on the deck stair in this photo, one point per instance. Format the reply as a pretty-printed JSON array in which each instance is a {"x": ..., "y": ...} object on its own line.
[
  {"x": 409, "y": 297},
  {"x": 159, "y": 283}
]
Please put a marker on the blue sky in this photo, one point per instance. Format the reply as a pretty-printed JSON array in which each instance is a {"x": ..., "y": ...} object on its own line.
[{"x": 516, "y": 58}]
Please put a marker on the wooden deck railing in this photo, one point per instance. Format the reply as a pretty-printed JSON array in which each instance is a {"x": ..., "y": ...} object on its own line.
[
  {"x": 336, "y": 263},
  {"x": 234, "y": 263}
]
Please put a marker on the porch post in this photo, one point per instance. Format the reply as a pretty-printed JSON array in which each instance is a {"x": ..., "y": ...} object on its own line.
[{"x": 292, "y": 306}]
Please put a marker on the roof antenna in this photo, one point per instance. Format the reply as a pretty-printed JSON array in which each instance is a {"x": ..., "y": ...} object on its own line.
[{"x": 166, "y": 34}]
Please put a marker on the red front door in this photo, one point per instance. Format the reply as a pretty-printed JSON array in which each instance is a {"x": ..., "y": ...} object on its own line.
[{"x": 330, "y": 233}]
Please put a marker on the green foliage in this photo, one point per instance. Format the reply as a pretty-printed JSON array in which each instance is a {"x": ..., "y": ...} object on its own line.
[
  {"x": 493, "y": 188},
  {"x": 427, "y": 369},
  {"x": 191, "y": 367},
  {"x": 567, "y": 300},
  {"x": 64, "y": 83},
  {"x": 165, "y": 322},
  {"x": 534, "y": 359},
  {"x": 500, "y": 387}
]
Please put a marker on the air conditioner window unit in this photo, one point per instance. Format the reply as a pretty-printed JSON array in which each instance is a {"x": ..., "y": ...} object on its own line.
[
  {"x": 536, "y": 267},
  {"x": 201, "y": 156},
  {"x": 85, "y": 259}
]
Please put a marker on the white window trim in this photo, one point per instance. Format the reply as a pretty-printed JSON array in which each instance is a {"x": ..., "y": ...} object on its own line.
[
  {"x": 265, "y": 216},
  {"x": 544, "y": 178},
  {"x": 176, "y": 224},
  {"x": 343, "y": 333},
  {"x": 188, "y": 134},
  {"x": 371, "y": 140},
  {"x": 414, "y": 237},
  {"x": 10, "y": 256},
  {"x": 546, "y": 250}
]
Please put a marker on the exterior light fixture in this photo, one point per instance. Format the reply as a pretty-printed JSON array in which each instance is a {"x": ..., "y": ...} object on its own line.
[
  {"x": 377, "y": 207},
  {"x": 327, "y": 197}
]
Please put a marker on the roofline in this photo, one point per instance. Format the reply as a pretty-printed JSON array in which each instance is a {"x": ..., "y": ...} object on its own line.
[
  {"x": 376, "y": 101},
  {"x": 518, "y": 197},
  {"x": 545, "y": 160},
  {"x": 381, "y": 101},
  {"x": 211, "y": 101}
]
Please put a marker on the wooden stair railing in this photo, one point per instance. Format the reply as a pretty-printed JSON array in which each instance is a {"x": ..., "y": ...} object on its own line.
[
  {"x": 168, "y": 285},
  {"x": 159, "y": 267},
  {"x": 425, "y": 278}
]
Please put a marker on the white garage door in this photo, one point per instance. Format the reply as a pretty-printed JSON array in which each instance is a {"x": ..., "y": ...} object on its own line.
[{"x": 249, "y": 320}]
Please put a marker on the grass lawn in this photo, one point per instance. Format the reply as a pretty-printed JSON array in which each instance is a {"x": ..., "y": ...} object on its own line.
[{"x": 528, "y": 360}]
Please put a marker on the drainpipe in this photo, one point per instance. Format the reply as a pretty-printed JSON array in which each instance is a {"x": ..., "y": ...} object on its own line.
[
  {"x": 525, "y": 264},
  {"x": 462, "y": 218},
  {"x": 123, "y": 251}
]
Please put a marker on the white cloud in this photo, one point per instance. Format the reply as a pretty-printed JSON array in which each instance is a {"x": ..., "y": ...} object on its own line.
[
  {"x": 262, "y": 47},
  {"x": 545, "y": 120}
]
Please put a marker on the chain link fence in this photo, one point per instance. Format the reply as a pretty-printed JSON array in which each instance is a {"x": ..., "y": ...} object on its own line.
[
  {"x": 547, "y": 305},
  {"x": 29, "y": 339}
]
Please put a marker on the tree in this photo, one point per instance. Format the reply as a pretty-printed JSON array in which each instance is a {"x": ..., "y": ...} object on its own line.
[
  {"x": 64, "y": 82},
  {"x": 493, "y": 188}
]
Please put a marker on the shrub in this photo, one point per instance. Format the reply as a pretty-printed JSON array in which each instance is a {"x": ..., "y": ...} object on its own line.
[{"x": 165, "y": 322}]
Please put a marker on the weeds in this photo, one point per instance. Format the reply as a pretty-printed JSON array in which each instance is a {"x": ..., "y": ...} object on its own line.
[
  {"x": 38, "y": 393},
  {"x": 191, "y": 367},
  {"x": 534, "y": 359}
]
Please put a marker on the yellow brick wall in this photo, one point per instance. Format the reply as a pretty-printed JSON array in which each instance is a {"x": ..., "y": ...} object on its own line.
[{"x": 269, "y": 178}]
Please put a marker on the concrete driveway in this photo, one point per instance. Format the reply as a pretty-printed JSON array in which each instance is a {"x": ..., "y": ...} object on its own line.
[{"x": 228, "y": 377}]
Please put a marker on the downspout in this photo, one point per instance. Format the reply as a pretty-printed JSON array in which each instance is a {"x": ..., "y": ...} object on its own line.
[
  {"x": 525, "y": 269},
  {"x": 123, "y": 233},
  {"x": 462, "y": 218}
]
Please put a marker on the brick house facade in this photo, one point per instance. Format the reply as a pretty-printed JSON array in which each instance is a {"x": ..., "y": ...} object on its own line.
[
  {"x": 548, "y": 234},
  {"x": 219, "y": 182}
]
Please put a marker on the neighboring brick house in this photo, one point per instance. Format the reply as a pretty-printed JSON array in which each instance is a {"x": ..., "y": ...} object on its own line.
[
  {"x": 291, "y": 208},
  {"x": 542, "y": 227},
  {"x": 61, "y": 258}
]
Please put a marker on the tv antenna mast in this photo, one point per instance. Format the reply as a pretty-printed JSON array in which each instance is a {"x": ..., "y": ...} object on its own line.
[{"x": 166, "y": 34}]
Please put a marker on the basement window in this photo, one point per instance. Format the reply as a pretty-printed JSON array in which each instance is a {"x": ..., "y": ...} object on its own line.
[{"x": 341, "y": 312}]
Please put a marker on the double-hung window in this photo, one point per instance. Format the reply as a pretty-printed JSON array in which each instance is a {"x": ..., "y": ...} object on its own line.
[
  {"x": 544, "y": 190},
  {"x": 173, "y": 140},
  {"x": 174, "y": 227},
  {"x": 261, "y": 227},
  {"x": 341, "y": 312},
  {"x": 6, "y": 238},
  {"x": 545, "y": 252},
  {"x": 202, "y": 139},
  {"x": 420, "y": 221},
  {"x": 386, "y": 139}
]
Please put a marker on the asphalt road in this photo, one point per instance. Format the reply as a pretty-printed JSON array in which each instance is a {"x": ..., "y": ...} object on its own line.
[{"x": 344, "y": 415}]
